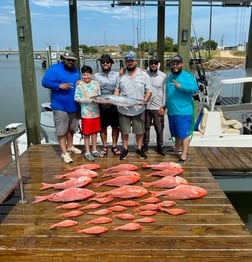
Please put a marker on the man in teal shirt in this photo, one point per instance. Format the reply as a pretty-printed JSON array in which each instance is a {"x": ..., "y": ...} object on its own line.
[{"x": 180, "y": 88}]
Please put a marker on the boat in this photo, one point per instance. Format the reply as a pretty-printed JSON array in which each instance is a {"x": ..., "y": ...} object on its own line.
[{"x": 220, "y": 124}]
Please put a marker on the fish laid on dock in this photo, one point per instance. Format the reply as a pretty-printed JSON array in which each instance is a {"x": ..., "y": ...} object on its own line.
[
  {"x": 66, "y": 195},
  {"x": 119, "y": 181},
  {"x": 182, "y": 192},
  {"x": 64, "y": 223},
  {"x": 72, "y": 182},
  {"x": 125, "y": 192},
  {"x": 118, "y": 100}
]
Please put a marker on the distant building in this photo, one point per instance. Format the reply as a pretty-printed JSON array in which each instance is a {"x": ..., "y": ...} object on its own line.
[{"x": 239, "y": 47}]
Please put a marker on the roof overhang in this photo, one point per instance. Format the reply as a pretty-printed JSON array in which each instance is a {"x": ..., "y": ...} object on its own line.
[{"x": 225, "y": 3}]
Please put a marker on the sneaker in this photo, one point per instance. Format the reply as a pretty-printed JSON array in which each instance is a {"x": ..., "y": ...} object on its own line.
[
  {"x": 74, "y": 150},
  {"x": 66, "y": 158},
  {"x": 161, "y": 150},
  {"x": 183, "y": 161},
  {"x": 97, "y": 154},
  {"x": 89, "y": 157},
  {"x": 124, "y": 154},
  {"x": 141, "y": 154},
  {"x": 145, "y": 148},
  {"x": 173, "y": 151}
]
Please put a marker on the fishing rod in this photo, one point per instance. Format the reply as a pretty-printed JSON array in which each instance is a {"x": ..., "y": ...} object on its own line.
[{"x": 201, "y": 75}]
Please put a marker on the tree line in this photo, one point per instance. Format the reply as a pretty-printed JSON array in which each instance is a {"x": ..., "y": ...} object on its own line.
[{"x": 151, "y": 47}]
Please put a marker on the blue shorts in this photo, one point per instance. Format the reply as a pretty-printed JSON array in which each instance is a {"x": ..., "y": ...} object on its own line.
[{"x": 180, "y": 126}]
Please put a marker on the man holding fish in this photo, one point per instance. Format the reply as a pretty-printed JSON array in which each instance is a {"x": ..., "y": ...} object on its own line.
[
  {"x": 109, "y": 114},
  {"x": 134, "y": 83}
]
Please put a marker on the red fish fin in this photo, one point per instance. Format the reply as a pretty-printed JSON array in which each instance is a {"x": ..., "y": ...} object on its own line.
[
  {"x": 39, "y": 199},
  {"x": 59, "y": 176},
  {"x": 146, "y": 184},
  {"x": 95, "y": 185},
  {"x": 145, "y": 165},
  {"x": 46, "y": 186}
]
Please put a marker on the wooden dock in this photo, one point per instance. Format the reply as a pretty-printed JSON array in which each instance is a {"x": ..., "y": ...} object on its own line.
[{"x": 211, "y": 230}]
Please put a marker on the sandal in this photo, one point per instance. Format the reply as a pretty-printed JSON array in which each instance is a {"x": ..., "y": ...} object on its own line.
[
  {"x": 115, "y": 151},
  {"x": 104, "y": 150}
]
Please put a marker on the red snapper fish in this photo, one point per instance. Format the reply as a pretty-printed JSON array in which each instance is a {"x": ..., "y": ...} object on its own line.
[
  {"x": 74, "y": 213},
  {"x": 119, "y": 181},
  {"x": 77, "y": 173},
  {"x": 95, "y": 230},
  {"x": 71, "y": 205},
  {"x": 129, "y": 227},
  {"x": 167, "y": 172},
  {"x": 162, "y": 165},
  {"x": 66, "y": 195},
  {"x": 100, "y": 220},
  {"x": 120, "y": 167},
  {"x": 127, "y": 191},
  {"x": 85, "y": 166},
  {"x": 182, "y": 192},
  {"x": 72, "y": 182},
  {"x": 166, "y": 182},
  {"x": 64, "y": 223},
  {"x": 121, "y": 173}
]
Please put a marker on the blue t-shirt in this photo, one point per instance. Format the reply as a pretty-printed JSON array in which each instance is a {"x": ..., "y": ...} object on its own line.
[
  {"x": 61, "y": 99},
  {"x": 179, "y": 100}
]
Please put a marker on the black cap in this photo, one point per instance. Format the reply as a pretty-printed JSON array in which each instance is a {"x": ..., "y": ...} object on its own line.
[
  {"x": 154, "y": 58},
  {"x": 106, "y": 57},
  {"x": 177, "y": 58}
]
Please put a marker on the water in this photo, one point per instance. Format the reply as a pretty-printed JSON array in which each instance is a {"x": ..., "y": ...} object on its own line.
[{"x": 11, "y": 99}]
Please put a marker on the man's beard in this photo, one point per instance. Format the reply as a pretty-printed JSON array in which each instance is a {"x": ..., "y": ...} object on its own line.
[
  {"x": 131, "y": 68},
  {"x": 176, "y": 72},
  {"x": 153, "y": 71},
  {"x": 106, "y": 70}
]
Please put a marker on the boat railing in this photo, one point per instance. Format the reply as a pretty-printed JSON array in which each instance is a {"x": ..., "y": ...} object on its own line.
[{"x": 222, "y": 84}]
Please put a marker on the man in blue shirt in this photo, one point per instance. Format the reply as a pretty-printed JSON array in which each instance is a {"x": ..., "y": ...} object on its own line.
[
  {"x": 61, "y": 78},
  {"x": 180, "y": 88}
]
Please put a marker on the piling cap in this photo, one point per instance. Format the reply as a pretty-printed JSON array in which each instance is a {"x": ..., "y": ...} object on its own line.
[{"x": 68, "y": 55}]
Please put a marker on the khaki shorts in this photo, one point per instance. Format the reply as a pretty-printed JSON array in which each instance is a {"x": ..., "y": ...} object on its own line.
[
  {"x": 65, "y": 121},
  {"x": 137, "y": 123}
]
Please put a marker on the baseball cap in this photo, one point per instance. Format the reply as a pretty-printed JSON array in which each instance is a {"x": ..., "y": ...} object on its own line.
[
  {"x": 130, "y": 56},
  {"x": 106, "y": 57},
  {"x": 154, "y": 58},
  {"x": 69, "y": 55},
  {"x": 177, "y": 58}
]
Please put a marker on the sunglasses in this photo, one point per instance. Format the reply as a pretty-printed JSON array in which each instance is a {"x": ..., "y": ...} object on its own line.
[
  {"x": 106, "y": 62},
  {"x": 153, "y": 63},
  {"x": 70, "y": 60}
]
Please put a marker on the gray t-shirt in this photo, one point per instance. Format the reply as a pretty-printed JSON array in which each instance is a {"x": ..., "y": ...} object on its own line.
[{"x": 135, "y": 87}]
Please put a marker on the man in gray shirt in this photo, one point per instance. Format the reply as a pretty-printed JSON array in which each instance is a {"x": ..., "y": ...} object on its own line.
[
  {"x": 109, "y": 115},
  {"x": 134, "y": 83},
  {"x": 155, "y": 109}
]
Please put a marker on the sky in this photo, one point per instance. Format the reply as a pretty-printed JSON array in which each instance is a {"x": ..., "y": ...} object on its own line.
[{"x": 101, "y": 24}]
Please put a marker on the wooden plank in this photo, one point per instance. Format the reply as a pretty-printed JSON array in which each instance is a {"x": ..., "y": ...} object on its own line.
[{"x": 210, "y": 229}]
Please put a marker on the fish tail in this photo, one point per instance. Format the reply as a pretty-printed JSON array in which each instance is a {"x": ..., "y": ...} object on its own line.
[
  {"x": 95, "y": 185},
  {"x": 46, "y": 186},
  {"x": 154, "y": 193},
  {"x": 146, "y": 184},
  {"x": 59, "y": 176},
  {"x": 39, "y": 199},
  {"x": 145, "y": 165}
]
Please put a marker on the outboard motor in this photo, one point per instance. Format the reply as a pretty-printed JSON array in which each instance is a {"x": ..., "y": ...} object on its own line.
[{"x": 48, "y": 131}]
